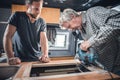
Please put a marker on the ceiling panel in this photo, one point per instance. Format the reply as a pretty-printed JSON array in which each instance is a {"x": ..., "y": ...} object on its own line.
[{"x": 62, "y": 4}]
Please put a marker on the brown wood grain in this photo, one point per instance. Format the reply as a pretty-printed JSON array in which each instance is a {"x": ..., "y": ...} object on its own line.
[
  {"x": 79, "y": 76},
  {"x": 50, "y": 15},
  {"x": 4, "y": 64},
  {"x": 18, "y": 8},
  {"x": 62, "y": 58},
  {"x": 56, "y": 63},
  {"x": 24, "y": 70}
]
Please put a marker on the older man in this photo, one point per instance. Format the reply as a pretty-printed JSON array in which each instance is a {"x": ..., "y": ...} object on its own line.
[{"x": 100, "y": 29}]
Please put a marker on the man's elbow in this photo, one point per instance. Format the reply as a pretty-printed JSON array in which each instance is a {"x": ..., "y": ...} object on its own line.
[{"x": 6, "y": 37}]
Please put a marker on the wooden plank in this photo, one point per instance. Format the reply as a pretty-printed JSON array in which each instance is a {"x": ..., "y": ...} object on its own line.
[
  {"x": 24, "y": 70},
  {"x": 56, "y": 63},
  {"x": 4, "y": 64},
  {"x": 78, "y": 76},
  {"x": 62, "y": 58}
]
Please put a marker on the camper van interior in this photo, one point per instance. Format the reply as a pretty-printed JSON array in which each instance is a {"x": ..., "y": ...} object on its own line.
[{"x": 63, "y": 44}]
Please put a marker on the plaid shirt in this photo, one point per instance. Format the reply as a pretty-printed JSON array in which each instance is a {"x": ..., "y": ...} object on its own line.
[{"x": 101, "y": 27}]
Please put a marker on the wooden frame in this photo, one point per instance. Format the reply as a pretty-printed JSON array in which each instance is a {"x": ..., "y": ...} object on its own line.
[{"x": 24, "y": 72}]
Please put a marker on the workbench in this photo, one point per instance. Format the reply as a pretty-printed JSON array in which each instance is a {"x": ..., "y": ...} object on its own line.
[{"x": 24, "y": 71}]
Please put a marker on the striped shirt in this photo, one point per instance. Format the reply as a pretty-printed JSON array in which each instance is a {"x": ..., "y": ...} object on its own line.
[{"x": 101, "y": 27}]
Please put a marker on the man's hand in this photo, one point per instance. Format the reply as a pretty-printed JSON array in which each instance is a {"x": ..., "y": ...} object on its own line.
[
  {"x": 14, "y": 61},
  {"x": 85, "y": 45},
  {"x": 44, "y": 59}
]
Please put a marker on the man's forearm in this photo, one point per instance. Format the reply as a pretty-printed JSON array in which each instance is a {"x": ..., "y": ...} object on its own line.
[
  {"x": 44, "y": 47},
  {"x": 7, "y": 42},
  {"x": 44, "y": 43}
]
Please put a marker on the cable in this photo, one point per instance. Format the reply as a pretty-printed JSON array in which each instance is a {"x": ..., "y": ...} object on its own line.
[
  {"x": 99, "y": 64},
  {"x": 109, "y": 73},
  {"x": 103, "y": 67}
]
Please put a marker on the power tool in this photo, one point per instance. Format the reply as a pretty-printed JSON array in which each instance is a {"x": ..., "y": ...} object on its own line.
[{"x": 89, "y": 57}]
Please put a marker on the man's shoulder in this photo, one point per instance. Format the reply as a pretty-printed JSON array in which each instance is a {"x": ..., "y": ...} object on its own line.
[
  {"x": 41, "y": 20},
  {"x": 98, "y": 7},
  {"x": 98, "y": 10},
  {"x": 18, "y": 13}
]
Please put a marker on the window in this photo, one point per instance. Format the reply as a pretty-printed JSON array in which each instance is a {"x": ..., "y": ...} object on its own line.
[{"x": 61, "y": 41}]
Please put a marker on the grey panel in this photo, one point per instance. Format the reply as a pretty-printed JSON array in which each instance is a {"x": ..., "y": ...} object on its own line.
[
  {"x": 2, "y": 30},
  {"x": 4, "y": 14}
]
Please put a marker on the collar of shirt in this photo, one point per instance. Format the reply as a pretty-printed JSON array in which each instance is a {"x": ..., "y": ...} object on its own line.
[
  {"x": 83, "y": 22},
  {"x": 83, "y": 18}
]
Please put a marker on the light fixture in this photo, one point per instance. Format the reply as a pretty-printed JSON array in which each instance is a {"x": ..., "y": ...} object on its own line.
[
  {"x": 60, "y": 1},
  {"x": 46, "y": 3}
]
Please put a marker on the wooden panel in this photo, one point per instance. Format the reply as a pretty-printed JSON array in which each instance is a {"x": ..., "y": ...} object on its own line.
[
  {"x": 50, "y": 15},
  {"x": 18, "y": 8}
]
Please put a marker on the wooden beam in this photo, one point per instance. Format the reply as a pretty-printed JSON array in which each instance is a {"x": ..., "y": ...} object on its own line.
[
  {"x": 57, "y": 63},
  {"x": 24, "y": 70},
  {"x": 78, "y": 76},
  {"x": 62, "y": 58}
]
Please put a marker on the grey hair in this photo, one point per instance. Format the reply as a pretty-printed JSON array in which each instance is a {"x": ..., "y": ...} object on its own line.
[{"x": 66, "y": 15}]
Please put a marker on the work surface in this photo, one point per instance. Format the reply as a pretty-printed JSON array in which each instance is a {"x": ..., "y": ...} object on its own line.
[{"x": 25, "y": 69}]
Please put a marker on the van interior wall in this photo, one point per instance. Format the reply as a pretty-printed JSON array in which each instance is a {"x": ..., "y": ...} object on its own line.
[{"x": 4, "y": 16}]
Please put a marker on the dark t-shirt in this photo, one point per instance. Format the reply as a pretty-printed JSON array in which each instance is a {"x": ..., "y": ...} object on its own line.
[{"x": 26, "y": 40}]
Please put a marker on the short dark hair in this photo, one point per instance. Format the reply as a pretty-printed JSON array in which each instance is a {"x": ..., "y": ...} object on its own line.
[{"x": 31, "y": 1}]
